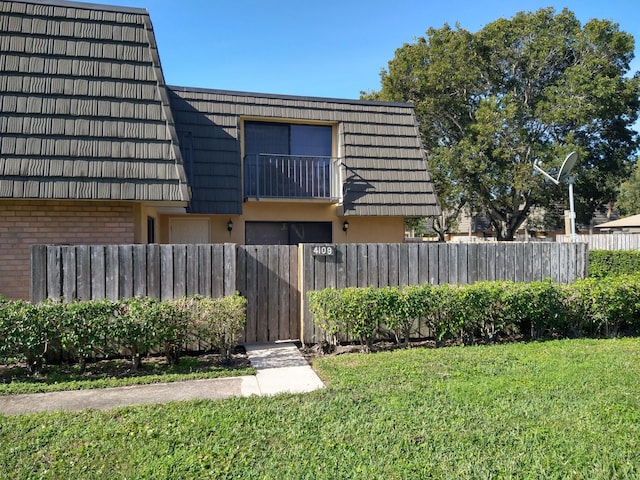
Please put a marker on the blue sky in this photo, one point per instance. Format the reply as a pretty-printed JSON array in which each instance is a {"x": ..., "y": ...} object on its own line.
[{"x": 328, "y": 48}]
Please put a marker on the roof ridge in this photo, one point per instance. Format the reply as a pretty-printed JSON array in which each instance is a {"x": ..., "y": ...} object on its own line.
[
  {"x": 86, "y": 6},
  {"x": 288, "y": 97}
]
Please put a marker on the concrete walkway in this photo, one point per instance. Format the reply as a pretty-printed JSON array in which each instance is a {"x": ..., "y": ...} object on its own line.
[{"x": 280, "y": 368}]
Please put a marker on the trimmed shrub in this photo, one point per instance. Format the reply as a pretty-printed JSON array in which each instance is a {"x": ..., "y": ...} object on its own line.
[
  {"x": 606, "y": 307},
  {"x": 220, "y": 321},
  {"x": 99, "y": 328},
  {"x": 604, "y": 263},
  {"x": 136, "y": 328},
  {"x": 401, "y": 308},
  {"x": 25, "y": 333},
  {"x": 173, "y": 327},
  {"x": 484, "y": 310},
  {"x": 326, "y": 308},
  {"x": 86, "y": 329},
  {"x": 537, "y": 308},
  {"x": 349, "y": 312}
]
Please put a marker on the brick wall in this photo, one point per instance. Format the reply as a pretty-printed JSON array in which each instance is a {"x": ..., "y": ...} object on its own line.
[{"x": 24, "y": 223}]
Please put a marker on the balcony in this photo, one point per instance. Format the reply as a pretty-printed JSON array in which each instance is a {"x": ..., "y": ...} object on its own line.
[{"x": 292, "y": 176}]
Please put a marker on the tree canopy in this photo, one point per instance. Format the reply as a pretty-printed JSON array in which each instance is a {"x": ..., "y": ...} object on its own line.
[
  {"x": 531, "y": 88},
  {"x": 629, "y": 197}
]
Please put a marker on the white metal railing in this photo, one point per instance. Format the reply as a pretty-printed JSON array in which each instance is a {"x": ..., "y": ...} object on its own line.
[{"x": 291, "y": 176}]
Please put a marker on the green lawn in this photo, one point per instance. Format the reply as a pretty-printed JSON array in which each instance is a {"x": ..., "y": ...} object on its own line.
[{"x": 561, "y": 409}]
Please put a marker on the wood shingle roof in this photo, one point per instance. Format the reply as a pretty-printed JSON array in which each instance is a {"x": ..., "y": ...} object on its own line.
[
  {"x": 385, "y": 170},
  {"x": 84, "y": 112}
]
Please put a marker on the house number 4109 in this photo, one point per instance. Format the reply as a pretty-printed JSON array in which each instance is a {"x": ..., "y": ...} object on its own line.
[{"x": 323, "y": 250}]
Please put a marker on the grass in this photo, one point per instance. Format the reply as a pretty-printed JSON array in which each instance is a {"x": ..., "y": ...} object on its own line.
[
  {"x": 560, "y": 409},
  {"x": 117, "y": 373}
]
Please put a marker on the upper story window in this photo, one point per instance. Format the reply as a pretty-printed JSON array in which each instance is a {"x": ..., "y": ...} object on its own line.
[
  {"x": 285, "y": 160},
  {"x": 287, "y": 139}
]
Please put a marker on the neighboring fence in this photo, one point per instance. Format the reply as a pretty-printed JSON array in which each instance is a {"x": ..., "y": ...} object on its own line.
[
  {"x": 379, "y": 265},
  {"x": 273, "y": 280},
  {"x": 613, "y": 241}
]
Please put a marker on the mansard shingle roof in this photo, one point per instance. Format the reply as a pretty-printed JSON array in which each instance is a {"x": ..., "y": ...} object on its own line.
[
  {"x": 385, "y": 170},
  {"x": 84, "y": 112}
]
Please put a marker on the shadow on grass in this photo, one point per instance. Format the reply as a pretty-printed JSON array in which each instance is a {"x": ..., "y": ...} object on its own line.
[{"x": 14, "y": 378}]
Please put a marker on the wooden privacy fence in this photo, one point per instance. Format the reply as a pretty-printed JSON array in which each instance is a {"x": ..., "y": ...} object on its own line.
[
  {"x": 275, "y": 279},
  {"x": 380, "y": 265},
  {"x": 87, "y": 272},
  {"x": 613, "y": 241}
]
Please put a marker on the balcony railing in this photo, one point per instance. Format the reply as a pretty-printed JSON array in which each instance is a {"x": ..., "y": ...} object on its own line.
[{"x": 291, "y": 176}]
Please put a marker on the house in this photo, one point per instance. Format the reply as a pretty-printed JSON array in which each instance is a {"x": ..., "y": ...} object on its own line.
[{"x": 95, "y": 148}]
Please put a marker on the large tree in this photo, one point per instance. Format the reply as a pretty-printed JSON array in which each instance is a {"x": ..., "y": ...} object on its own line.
[{"x": 531, "y": 88}]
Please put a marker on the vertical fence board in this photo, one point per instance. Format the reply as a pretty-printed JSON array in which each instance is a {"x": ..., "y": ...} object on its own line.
[
  {"x": 112, "y": 272},
  {"x": 140, "y": 271},
  {"x": 69, "y": 273},
  {"x": 294, "y": 294},
  {"x": 546, "y": 260},
  {"x": 229, "y": 269},
  {"x": 283, "y": 262},
  {"x": 472, "y": 263},
  {"x": 38, "y": 280},
  {"x": 98, "y": 272},
  {"x": 394, "y": 270},
  {"x": 243, "y": 288},
  {"x": 382, "y": 254},
  {"x": 272, "y": 299},
  {"x": 413, "y": 263},
  {"x": 125, "y": 280},
  {"x": 443, "y": 269},
  {"x": 463, "y": 263},
  {"x": 403, "y": 264},
  {"x": 423, "y": 263},
  {"x": 205, "y": 278},
  {"x": 362, "y": 264},
  {"x": 372, "y": 265},
  {"x": 533, "y": 254},
  {"x": 154, "y": 270},
  {"x": 481, "y": 261},
  {"x": 352, "y": 265},
  {"x": 452, "y": 264},
  {"x": 54, "y": 272},
  {"x": 218, "y": 272},
  {"x": 262, "y": 276},
  {"x": 341, "y": 266},
  {"x": 83, "y": 271},
  {"x": 434, "y": 263},
  {"x": 166, "y": 272},
  {"x": 179, "y": 270},
  {"x": 193, "y": 270}
]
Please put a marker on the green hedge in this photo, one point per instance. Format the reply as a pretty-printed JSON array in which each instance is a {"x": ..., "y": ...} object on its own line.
[
  {"x": 100, "y": 328},
  {"x": 603, "y": 263},
  {"x": 483, "y": 311}
]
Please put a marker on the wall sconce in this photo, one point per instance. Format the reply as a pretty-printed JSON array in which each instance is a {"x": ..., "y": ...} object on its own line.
[
  {"x": 345, "y": 226},
  {"x": 229, "y": 226}
]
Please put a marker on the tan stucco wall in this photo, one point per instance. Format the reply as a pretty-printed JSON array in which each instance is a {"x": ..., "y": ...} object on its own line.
[{"x": 361, "y": 229}]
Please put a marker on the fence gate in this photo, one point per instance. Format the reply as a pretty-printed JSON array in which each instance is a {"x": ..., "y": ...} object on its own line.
[{"x": 267, "y": 275}]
